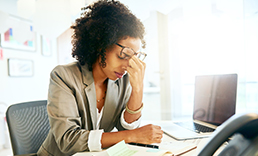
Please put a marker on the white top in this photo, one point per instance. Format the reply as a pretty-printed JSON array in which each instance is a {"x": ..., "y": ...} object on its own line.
[{"x": 94, "y": 141}]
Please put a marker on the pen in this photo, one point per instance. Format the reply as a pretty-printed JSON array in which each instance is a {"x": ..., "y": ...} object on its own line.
[{"x": 144, "y": 145}]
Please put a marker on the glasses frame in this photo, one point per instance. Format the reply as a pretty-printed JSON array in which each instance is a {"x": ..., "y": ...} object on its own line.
[{"x": 134, "y": 53}]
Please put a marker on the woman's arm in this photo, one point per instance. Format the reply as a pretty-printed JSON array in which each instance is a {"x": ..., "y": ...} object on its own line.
[
  {"x": 136, "y": 70},
  {"x": 147, "y": 134}
]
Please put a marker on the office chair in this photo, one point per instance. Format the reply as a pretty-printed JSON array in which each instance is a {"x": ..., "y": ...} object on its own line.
[{"x": 28, "y": 126}]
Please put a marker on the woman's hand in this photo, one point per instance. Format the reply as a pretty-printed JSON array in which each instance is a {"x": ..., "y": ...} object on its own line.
[
  {"x": 147, "y": 134},
  {"x": 136, "y": 70}
]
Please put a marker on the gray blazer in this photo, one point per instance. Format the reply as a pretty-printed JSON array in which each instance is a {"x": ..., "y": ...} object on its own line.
[{"x": 72, "y": 109}]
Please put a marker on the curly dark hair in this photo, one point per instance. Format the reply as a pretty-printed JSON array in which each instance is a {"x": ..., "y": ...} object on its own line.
[{"x": 101, "y": 25}]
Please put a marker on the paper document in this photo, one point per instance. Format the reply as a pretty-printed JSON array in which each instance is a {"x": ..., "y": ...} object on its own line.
[
  {"x": 146, "y": 151},
  {"x": 166, "y": 148},
  {"x": 120, "y": 149}
]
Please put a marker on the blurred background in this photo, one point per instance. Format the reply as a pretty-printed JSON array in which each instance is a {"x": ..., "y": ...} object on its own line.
[{"x": 184, "y": 38}]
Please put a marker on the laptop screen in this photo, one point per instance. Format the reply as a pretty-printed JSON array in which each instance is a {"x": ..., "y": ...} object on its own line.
[{"x": 215, "y": 98}]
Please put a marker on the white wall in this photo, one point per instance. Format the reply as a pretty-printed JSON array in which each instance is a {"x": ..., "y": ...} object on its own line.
[{"x": 20, "y": 89}]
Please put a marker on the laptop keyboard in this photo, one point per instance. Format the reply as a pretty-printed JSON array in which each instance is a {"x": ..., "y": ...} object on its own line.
[{"x": 195, "y": 127}]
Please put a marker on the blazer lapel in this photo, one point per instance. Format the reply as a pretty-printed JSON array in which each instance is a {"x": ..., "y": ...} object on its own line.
[
  {"x": 110, "y": 105},
  {"x": 111, "y": 100},
  {"x": 90, "y": 93}
]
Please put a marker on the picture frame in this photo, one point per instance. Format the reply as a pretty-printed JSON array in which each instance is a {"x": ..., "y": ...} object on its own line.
[
  {"x": 20, "y": 67},
  {"x": 19, "y": 35},
  {"x": 46, "y": 46}
]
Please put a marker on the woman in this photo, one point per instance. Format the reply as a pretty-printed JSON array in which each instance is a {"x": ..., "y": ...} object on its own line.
[{"x": 104, "y": 89}]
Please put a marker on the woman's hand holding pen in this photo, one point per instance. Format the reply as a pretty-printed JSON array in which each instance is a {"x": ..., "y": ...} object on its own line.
[{"x": 147, "y": 134}]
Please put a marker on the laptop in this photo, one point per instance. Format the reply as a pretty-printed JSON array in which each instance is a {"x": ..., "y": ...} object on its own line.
[{"x": 214, "y": 103}]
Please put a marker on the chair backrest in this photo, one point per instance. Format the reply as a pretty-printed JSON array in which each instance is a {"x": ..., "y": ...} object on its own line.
[{"x": 28, "y": 126}]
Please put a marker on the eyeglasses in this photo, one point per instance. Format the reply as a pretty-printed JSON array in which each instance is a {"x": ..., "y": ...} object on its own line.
[{"x": 126, "y": 53}]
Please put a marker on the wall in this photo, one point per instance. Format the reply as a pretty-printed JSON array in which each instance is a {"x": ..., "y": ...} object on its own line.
[
  {"x": 49, "y": 21},
  {"x": 21, "y": 89}
]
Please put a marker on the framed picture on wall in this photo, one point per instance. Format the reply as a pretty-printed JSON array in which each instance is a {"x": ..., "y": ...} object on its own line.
[
  {"x": 46, "y": 46},
  {"x": 20, "y": 67},
  {"x": 19, "y": 34}
]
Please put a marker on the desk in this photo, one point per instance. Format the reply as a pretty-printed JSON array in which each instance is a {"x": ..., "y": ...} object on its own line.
[{"x": 199, "y": 142}]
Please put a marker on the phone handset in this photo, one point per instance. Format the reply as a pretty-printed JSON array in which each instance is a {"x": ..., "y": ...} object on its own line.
[{"x": 245, "y": 127}]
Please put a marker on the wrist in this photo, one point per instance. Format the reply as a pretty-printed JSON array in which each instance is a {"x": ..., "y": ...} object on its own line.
[
  {"x": 133, "y": 110},
  {"x": 137, "y": 90},
  {"x": 130, "y": 136}
]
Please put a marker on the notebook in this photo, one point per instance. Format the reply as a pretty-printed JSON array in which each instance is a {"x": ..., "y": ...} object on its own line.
[{"x": 214, "y": 103}]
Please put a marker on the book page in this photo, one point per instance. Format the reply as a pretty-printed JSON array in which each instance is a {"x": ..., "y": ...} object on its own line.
[{"x": 177, "y": 147}]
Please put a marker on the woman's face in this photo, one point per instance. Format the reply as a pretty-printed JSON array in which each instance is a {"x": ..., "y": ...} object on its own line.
[{"x": 115, "y": 66}]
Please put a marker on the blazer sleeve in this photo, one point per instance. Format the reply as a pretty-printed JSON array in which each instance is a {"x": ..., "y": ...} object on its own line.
[{"x": 63, "y": 112}]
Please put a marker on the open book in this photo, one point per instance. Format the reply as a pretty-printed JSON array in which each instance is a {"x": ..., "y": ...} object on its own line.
[{"x": 165, "y": 149}]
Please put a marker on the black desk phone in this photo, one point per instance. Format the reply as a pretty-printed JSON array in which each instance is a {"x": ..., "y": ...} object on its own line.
[{"x": 241, "y": 132}]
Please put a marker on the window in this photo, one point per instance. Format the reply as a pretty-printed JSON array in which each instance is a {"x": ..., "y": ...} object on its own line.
[{"x": 196, "y": 38}]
